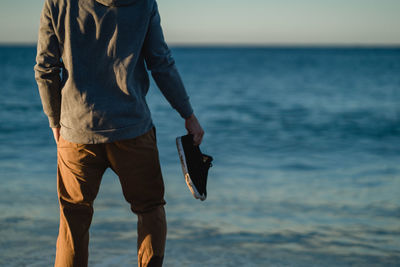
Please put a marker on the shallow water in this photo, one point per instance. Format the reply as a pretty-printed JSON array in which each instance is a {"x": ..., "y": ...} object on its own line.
[{"x": 306, "y": 144}]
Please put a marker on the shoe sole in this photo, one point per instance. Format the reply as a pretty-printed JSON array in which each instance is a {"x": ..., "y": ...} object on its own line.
[{"x": 185, "y": 171}]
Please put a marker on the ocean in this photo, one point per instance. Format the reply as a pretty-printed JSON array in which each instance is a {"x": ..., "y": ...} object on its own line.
[{"x": 306, "y": 147}]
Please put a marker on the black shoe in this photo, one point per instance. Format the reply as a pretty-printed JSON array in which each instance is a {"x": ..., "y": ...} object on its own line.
[{"x": 195, "y": 166}]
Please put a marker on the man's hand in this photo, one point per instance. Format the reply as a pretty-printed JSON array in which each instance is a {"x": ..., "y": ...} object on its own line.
[
  {"x": 56, "y": 133},
  {"x": 193, "y": 127}
]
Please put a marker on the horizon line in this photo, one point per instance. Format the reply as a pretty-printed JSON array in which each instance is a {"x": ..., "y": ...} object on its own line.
[{"x": 255, "y": 45}]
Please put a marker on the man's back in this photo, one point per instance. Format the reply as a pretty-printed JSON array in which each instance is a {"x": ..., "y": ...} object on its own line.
[{"x": 104, "y": 45}]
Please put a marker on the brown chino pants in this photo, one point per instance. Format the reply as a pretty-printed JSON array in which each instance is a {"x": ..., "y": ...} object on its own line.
[{"x": 80, "y": 169}]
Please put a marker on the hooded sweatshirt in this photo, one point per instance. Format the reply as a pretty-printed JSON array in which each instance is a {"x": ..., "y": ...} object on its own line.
[{"x": 92, "y": 61}]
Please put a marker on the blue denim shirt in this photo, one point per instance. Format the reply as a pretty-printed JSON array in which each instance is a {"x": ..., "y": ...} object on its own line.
[{"x": 92, "y": 68}]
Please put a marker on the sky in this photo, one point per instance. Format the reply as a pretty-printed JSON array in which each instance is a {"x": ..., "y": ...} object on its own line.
[{"x": 253, "y": 22}]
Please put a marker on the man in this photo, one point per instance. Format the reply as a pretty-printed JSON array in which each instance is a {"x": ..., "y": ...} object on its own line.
[{"x": 92, "y": 78}]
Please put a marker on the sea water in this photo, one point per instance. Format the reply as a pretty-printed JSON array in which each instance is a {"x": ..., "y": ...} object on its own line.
[{"x": 306, "y": 142}]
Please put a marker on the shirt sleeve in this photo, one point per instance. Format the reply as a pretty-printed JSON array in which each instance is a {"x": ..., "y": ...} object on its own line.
[
  {"x": 48, "y": 67},
  {"x": 162, "y": 66}
]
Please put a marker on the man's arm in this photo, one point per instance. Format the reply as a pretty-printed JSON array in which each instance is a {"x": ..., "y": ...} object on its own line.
[
  {"x": 162, "y": 66},
  {"x": 47, "y": 69}
]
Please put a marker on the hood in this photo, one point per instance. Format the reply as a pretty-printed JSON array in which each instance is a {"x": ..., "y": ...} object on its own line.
[{"x": 116, "y": 2}]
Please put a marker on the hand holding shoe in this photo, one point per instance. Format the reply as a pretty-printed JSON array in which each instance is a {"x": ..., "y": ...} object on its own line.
[{"x": 193, "y": 127}]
